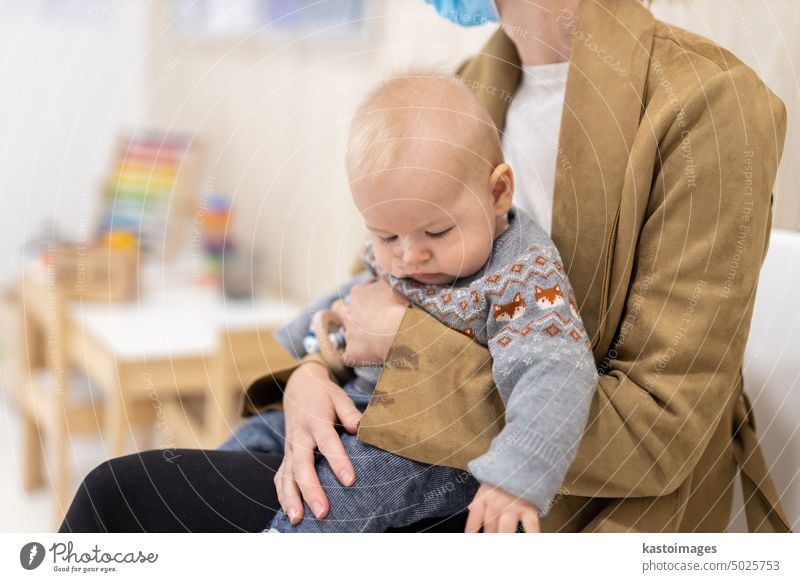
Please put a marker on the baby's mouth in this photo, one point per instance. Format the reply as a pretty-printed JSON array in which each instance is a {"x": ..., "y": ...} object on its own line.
[{"x": 424, "y": 276}]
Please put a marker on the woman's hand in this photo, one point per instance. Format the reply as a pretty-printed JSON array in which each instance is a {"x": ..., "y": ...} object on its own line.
[
  {"x": 497, "y": 510},
  {"x": 371, "y": 320},
  {"x": 312, "y": 403}
]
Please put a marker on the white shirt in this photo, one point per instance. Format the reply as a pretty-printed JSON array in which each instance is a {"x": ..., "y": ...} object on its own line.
[{"x": 530, "y": 142}]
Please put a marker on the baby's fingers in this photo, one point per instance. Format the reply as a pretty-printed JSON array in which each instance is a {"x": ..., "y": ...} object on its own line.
[
  {"x": 474, "y": 518},
  {"x": 508, "y": 521},
  {"x": 489, "y": 521},
  {"x": 530, "y": 522}
]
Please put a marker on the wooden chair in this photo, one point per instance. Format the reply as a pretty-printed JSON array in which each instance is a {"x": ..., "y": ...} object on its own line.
[
  {"x": 55, "y": 401},
  {"x": 243, "y": 356}
]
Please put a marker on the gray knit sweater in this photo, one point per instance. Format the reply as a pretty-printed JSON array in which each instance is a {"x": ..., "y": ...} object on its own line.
[{"x": 521, "y": 306}]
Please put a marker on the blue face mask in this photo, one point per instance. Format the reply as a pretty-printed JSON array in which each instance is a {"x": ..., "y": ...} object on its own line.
[{"x": 466, "y": 12}]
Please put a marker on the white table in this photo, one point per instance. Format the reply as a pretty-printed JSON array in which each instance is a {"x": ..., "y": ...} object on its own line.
[{"x": 165, "y": 344}]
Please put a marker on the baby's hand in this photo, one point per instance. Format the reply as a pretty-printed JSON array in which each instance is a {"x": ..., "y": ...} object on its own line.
[{"x": 499, "y": 511}]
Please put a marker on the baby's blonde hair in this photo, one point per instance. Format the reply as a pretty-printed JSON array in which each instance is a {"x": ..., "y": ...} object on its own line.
[{"x": 416, "y": 109}]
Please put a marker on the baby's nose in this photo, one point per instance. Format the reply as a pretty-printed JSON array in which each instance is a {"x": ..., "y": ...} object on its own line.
[{"x": 414, "y": 255}]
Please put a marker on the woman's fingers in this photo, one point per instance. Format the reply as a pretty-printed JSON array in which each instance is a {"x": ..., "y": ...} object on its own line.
[
  {"x": 289, "y": 495},
  {"x": 305, "y": 476},
  {"x": 353, "y": 354},
  {"x": 371, "y": 320},
  {"x": 330, "y": 445},
  {"x": 312, "y": 403},
  {"x": 346, "y": 412},
  {"x": 278, "y": 481}
]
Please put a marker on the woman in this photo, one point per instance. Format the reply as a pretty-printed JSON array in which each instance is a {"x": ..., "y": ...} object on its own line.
[{"x": 661, "y": 208}]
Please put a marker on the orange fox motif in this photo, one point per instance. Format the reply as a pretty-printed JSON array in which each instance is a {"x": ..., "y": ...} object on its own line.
[
  {"x": 510, "y": 311},
  {"x": 468, "y": 332},
  {"x": 573, "y": 308},
  {"x": 550, "y": 297}
]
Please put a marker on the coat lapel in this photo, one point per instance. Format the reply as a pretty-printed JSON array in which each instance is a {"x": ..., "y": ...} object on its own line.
[
  {"x": 611, "y": 47},
  {"x": 602, "y": 109},
  {"x": 493, "y": 75}
]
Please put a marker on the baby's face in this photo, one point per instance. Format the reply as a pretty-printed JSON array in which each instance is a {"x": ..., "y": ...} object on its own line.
[{"x": 431, "y": 224}]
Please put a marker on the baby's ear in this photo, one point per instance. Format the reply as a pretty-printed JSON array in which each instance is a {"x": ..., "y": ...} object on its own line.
[{"x": 501, "y": 185}]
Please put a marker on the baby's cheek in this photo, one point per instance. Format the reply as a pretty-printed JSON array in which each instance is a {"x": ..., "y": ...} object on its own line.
[
  {"x": 389, "y": 258},
  {"x": 475, "y": 256},
  {"x": 394, "y": 261},
  {"x": 459, "y": 259}
]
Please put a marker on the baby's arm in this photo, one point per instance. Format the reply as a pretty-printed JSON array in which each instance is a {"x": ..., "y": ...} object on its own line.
[
  {"x": 546, "y": 376},
  {"x": 291, "y": 335}
]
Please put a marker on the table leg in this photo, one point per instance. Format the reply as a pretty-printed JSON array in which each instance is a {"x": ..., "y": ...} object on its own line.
[
  {"x": 216, "y": 428},
  {"x": 61, "y": 477},
  {"x": 115, "y": 424},
  {"x": 31, "y": 357},
  {"x": 221, "y": 412},
  {"x": 33, "y": 454}
]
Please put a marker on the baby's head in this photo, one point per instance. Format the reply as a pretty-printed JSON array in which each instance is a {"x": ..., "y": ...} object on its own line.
[{"x": 427, "y": 174}]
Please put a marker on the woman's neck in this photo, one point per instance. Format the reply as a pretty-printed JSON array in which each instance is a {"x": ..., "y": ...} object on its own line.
[{"x": 542, "y": 30}]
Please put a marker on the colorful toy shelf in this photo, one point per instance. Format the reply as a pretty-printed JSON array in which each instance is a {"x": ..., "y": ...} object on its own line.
[{"x": 152, "y": 191}]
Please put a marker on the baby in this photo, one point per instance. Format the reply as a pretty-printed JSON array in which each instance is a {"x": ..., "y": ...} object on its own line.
[{"x": 427, "y": 174}]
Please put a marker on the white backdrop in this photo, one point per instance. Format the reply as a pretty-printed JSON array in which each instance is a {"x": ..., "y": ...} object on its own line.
[
  {"x": 71, "y": 73},
  {"x": 765, "y": 34},
  {"x": 272, "y": 114}
]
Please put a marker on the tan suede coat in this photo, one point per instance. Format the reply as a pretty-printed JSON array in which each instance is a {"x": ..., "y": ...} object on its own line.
[{"x": 668, "y": 152}]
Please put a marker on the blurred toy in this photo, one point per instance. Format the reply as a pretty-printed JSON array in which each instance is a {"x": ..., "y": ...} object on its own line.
[
  {"x": 120, "y": 240},
  {"x": 150, "y": 191},
  {"x": 217, "y": 246},
  {"x": 326, "y": 337},
  {"x": 106, "y": 270}
]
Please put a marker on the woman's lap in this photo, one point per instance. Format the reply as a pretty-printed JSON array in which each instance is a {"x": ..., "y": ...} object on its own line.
[
  {"x": 188, "y": 490},
  {"x": 183, "y": 490}
]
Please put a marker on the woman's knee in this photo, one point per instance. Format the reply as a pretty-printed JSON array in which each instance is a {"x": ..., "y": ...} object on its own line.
[
  {"x": 96, "y": 497},
  {"x": 109, "y": 476},
  {"x": 99, "y": 478}
]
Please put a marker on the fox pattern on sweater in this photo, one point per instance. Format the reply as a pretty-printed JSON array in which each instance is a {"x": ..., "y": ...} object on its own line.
[{"x": 519, "y": 302}]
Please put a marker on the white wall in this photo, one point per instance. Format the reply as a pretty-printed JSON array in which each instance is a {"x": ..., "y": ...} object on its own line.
[
  {"x": 71, "y": 74},
  {"x": 765, "y": 34},
  {"x": 274, "y": 111}
]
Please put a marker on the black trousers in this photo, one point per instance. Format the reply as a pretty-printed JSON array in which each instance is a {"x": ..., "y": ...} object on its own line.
[{"x": 188, "y": 490}]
